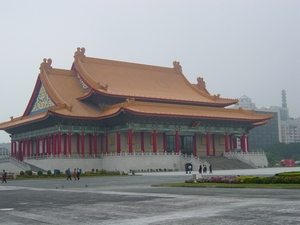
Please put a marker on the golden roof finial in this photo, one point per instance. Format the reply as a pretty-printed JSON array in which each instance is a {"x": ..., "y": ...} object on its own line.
[
  {"x": 46, "y": 65},
  {"x": 177, "y": 67},
  {"x": 79, "y": 54}
]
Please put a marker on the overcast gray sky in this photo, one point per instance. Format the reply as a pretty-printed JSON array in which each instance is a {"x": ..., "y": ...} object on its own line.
[{"x": 249, "y": 47}]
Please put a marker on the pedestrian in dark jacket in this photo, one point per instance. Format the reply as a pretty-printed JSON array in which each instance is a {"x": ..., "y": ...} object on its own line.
[
  {"x": 78, "y": 173},
  {"x": 200, "y": 169},
  {"x": 68, "y": 172},
  {"x": 4, "y": 174}
]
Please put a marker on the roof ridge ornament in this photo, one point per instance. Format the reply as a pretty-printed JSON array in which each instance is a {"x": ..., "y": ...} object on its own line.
[
  {"x": 79, "y": 54},
  {"x": 46, "y": 65},
  {"x": 177, "y": 67}
]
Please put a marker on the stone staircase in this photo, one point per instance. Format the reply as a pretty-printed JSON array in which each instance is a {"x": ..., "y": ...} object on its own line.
[
  {"x": 35, "y": 168},
  {"x": 222, "y": 163}
]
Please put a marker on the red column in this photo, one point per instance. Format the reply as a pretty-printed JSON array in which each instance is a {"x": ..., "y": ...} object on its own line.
[
  {"x": 177, "y": 142},
  {"x": 248, "y": 144},
  {"x": 118, "y": 142},
  {"x": 48, "y": 145},
  {"x": 15, "y": 144},
  {"x": 90, "y": 144},
  {"x": 213, "y": 145},
  {"x": 54, "y": 144},
  {"x": 226, "y": 142},
  {"x": 142, "y": 142},
  {"x": 28, "y": 147},
  {"x": 154, "y": 142},
  {"x": 70, "y": 143},
  {"x": 11, "y": 149},
  {"x": 82, "y": 144},
  {"x": 64, "y": 136},
  {"x": 207, "y": 144},
  {"x": 37, "y": 146},
  {"x": 130, "y": 140},
  {"x": 95, "y": 143},
  {"x": 243, "y": 143},
  {"x": 78, "y": 143},
  {"x": 43, "y": 145},
  {"x": 195, "y": 144},
  {"x": 230, "y": 141},
  {"x": 165, "y": 142},
  {"x": 59, "y": 143},
  {"x": 19, "y": 152}
]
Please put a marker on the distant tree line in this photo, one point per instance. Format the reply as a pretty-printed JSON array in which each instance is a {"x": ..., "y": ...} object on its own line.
[{"x": 279, "y": 151}]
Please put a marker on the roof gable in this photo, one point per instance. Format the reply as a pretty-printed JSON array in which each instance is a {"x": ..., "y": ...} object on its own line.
[{"x": 42, "y": 101}]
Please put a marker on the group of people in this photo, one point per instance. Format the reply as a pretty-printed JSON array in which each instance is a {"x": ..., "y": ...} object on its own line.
[
  {"x": 76, "y": 174},
  {"x": 203, "y": 168},
  {"x": 188, "y": 168}
]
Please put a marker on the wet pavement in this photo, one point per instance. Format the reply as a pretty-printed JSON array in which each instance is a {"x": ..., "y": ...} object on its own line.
[{"x": 131, "y": 200}]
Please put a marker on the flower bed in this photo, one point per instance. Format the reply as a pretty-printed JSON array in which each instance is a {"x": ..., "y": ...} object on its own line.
[{"x": 247, "y": 180}]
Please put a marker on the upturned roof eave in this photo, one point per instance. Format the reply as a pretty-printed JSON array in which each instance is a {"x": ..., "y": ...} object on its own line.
[
  {"x": 105, "y": 93},
  {"x": 22, "y": 122},
  {"x": 195, "y": 116}
]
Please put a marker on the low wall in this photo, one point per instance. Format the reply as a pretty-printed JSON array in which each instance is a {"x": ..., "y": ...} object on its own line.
[
  {"x": 142, "y": 162},
  {"x": 125, "y": 162},
  {"x": 256, "y": 159},
  {"x": 86, "y": 164}
]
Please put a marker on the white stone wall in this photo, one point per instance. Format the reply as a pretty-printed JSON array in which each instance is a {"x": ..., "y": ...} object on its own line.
[{"x": 86, "y": 164}]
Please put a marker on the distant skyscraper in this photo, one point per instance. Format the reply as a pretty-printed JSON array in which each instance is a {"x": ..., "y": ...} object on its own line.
[
  {"x": 284, "y": 111},
  {"x": 283, "y": 98}
]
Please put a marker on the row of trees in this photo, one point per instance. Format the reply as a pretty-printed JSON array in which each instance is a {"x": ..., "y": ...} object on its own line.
[{"x": 277, "y": 152}]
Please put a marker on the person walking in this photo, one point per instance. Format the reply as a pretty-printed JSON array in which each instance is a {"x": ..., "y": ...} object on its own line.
[
  {"x": 75, "y": 174},
  {"x": 78, "y": 173},
  {"x": 4, "y": 174},
  {"x": 200, "y": 168},
  {"x": 68, "y": 174},
  {"x": 210, "y": 168},
  {"x": 204, "y": 168}
]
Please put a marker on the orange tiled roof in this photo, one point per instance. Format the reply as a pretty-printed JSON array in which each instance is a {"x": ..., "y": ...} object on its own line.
[
  {"x": 127, "y": 79},
  {"x": 139, "y": 81}
]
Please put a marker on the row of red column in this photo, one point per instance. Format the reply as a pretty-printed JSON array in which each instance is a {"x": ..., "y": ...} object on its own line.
[{"x": 51, "y": 144}]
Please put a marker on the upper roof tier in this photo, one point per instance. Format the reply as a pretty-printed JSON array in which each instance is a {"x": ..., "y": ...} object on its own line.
[{"x": 143, "y": 82}]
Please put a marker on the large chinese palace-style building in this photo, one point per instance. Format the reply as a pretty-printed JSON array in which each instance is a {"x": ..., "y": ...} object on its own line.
[{"x": 101, "y": 107}]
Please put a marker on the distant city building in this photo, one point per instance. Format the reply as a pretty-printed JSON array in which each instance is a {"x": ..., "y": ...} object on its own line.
[
  {"x": 290, "y": 130},
  {"x": 246, "y": 103},
  {"x": 281, "y": 128},
  {"x": 4, "y": 149},
  {"x": 266, "y": 135}
]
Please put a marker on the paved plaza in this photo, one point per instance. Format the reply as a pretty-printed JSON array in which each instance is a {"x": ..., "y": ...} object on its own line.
[{"x": 131, "y": 200}]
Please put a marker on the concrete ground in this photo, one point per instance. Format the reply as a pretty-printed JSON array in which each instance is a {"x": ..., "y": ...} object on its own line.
[{"x": 131, "y": 200}]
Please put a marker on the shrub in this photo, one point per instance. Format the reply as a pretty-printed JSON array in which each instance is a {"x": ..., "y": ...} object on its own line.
[
  {"x": 102, "y": 171},
  {"x": 93, "y": 170},
  {"x": 49, "y": 172},
  {"x": 22, "y": 173},
  {"x": 97, "y": 170},
  {"x": 57, "y": 172},
  {"x": 29, "y": 172},
  {"x": 40, "y": 173}
]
